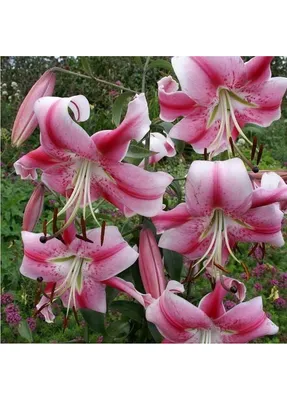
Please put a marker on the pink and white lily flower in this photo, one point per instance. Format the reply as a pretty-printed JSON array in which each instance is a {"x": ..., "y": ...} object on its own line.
[
  {"x": 272, "y": 188},
  {"x": 218, "y": 213},
  {"x": 181, "y": 322},
  {"x": 78, "y": 268},
  {"x": 161, "y": 145},
  {"x": 85, "y": 168},
  {"x": 219, "y": 96}
]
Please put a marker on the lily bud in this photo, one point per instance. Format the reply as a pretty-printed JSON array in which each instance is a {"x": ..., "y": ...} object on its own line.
[
  {"x": 34, "y": 208},
  {"x": 26, "y": 121},
  {"x": 150, "y": 264}
]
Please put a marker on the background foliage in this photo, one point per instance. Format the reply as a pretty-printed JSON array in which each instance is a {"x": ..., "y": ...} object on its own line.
[{"x": 125, "y": 320}]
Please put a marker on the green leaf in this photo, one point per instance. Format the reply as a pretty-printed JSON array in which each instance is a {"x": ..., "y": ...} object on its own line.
[
  {"x": 86, "y": 65},
  {"x": 25, "y": 331},
  {"x": 173, "y": 263},
  {"x": 128, "y": 309},
  {"x": 137, "y": 150},
  {"x": 166, "y": 126},
  {"x": 94, "y": 319},
  {"x": 118, "y": 329},
  {"x": 154, "y": 332},
  {"x": 118, "y": 106},
  {"x": 179, "y": 145},
  {"x": 161, "y": 64},
  {"x": 175, "y": 186}
]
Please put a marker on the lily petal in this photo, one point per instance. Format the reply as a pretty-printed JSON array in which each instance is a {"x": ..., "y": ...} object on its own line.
[
  {"x": 265, "y": 226},
  {"x": 247, "y": 321},
  {"x": 273, "y": 189},
  {"x": 173, "y": 103},
  {"x": 258, "y": 69},
  {"x": 26, "y": 166},
  {"x": 114, "y": 144},
  {"x": 113, "y": 257},
  {"x": 59, "y": 133},
  {"x": 212, "y": 185},
  {"x": 170, "y": 219},
  {"x": 40, "y": 260},
  {"x": 92, "y": 296},
  {"x": 200, "y": 77},
  {"x": 132, "y": 187}
]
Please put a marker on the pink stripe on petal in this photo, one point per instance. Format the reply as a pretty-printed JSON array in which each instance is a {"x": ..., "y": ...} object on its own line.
[
  {"x": 114, "y": 144},
  {"x": 173, "y": 103},
  {"x": 258, "y": 69},
  {"x": 170, "y": 219}
]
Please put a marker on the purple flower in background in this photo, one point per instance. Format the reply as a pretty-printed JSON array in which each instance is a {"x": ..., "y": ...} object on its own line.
[
  {"x": 100, "y": 339},
  {"x": 258, "y": 287},
  {"x": 273, "y": 282},
  {"x": 228, "y": 304},
  {"x": 113, "y": 93},
  {"x": 11, "y": 308},
  {"x": 283, "y": 280},
  {"x": 243, "y": 276},
  {"x": 32, "y": 323},
  {"x": 6, "y": 298},
  {"x": 13, "y": 318},
  {"x": 259, "y": 270},
  {"x": 119, "y": 83},
  {"x": 280, "y": 303}
]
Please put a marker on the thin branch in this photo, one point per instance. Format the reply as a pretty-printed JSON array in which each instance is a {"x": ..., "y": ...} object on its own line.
[{"x": 94, "y": 78}]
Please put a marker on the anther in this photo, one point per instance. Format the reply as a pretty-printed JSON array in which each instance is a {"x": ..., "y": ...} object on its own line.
[
  {"x": 205, "y": 154},
  {"x": 255, "y": 169},
  {"x": 254, "y": 145},
  {"x": 103, "y": 232},
  {"x": 45, "y": 227},
  {"x": 40, "y": 279},
  {"x": 246, "y": 270},
  {"x": 84, "y": 232},
  {"x": 44, "y": 239},
  {"x": 260, "y": 152},
  {"x": 232, "y": 146},
  {"x": 220, "y": 267},
  {"x": 233, "y": 289}
]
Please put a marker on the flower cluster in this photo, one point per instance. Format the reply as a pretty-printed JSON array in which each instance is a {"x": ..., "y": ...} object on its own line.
[{"x": 223, "y": 205}]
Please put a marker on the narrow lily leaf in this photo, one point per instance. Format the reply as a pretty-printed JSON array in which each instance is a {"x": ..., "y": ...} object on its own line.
[
  {"x": 119, "y": 329},
  {"x": 94, "y": 319},
  {"x": 175, "y": 186},
  {"x": 179, "y": 145},
  {"x": 154, "y": 332},
  {"x": 161, "y": 64},
  {"x": 173, "y": 263},
  {"x": 111, "y": 293},
  {"x": 137, "y": 150},
  {"x": 137, "y": 277},
  {"x": 25, "y": 331},
  {"x": 147, "y": 223},
  {"x": 166, "y": 126},
  {"x": 86, "y": 66},
  {"x": 118, "y": 107},
  {"x": 129, "y": 309}
]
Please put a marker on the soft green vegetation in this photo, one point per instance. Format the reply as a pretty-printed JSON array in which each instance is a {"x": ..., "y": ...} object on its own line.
[{"x": 123, "y": 323}]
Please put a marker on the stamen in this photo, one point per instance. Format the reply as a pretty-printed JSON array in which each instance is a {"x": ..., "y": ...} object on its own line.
[
  {"x": 103, "y": 232},
  {"x": 76, "y": 315},
  {"x": 205, "y": 156},
  {"x": 246, "y": 270},
  {"x": 259, "y": 155},
  {"x": 45, "y": 227},
  {"x": 220, "y": 267},
  {"x": 253, "y": 150},
  {"x": 232, "y": 146},
  {"x": 84, "y": 232}
]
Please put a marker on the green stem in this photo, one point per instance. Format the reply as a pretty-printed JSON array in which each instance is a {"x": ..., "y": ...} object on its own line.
[
  {"x": 131, "y": 231},
  {"x": 179, "y": 179},
  {"x": 144, "y": 74},
  {"x": 57, "y": 69}
]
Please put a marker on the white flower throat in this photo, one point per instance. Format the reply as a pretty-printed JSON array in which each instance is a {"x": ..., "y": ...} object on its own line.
[{"x": 225, "y": 110}]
